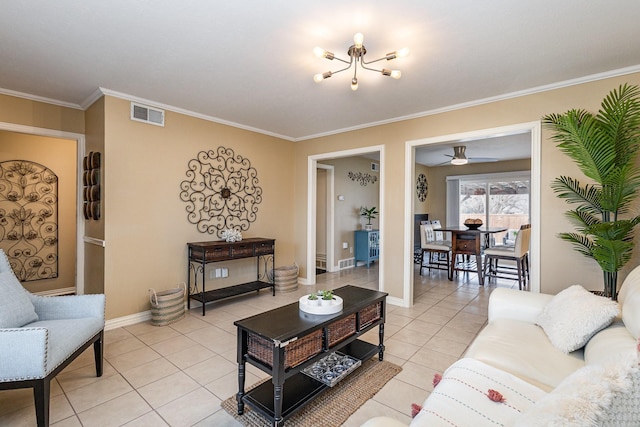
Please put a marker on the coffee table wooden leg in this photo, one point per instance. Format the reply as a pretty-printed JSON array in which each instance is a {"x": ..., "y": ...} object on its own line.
[
  {"x": 240, "y": 395},
  {"x": 381, "y": 345},
  {"x": 277, "y": 406}
]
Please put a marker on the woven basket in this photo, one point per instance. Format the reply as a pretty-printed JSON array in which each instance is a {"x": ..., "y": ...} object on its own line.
[
  {"x": 167, "y": 306},
  {"x": 295, "y": 352},
  {"x": 341, "y": 329},
  {"x": 370, "y": 314},
  {"x": 286, "y": 278}
]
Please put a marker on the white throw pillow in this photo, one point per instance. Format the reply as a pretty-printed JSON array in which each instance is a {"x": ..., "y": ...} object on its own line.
[
  {"x": 596, "y": 395},
  {"x": 16, "y": 309},
  {"x": 574, "y": 315}
]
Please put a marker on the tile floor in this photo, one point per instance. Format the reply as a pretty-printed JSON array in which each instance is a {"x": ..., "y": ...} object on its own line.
[{"x": 178, "y": 375}]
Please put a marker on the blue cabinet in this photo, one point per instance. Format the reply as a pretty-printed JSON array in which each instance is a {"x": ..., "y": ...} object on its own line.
[{"x": 367, "y": 246}]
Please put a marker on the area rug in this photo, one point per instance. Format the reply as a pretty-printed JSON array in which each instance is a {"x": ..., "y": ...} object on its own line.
[{"x": 334, "y": 406}]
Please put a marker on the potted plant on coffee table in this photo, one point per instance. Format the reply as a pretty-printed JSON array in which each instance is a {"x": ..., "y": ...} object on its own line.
[{"x": 605, "y": 147}]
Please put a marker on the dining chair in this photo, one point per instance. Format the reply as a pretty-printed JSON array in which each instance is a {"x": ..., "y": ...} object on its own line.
[
  {"x": 518, "y": 253},
  {"x": 430, "y": 246}
]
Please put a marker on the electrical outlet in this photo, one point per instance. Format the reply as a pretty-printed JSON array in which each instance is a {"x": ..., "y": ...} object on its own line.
[
  {"x": 351, "y": 250},
  {"x": 225, "y": 272},
  {"x": 218, "y": 273},
  {"x": 345, "y": 245}
]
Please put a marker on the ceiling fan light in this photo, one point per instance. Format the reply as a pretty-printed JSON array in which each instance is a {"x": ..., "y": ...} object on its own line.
[{"x": 459, "y": 162}]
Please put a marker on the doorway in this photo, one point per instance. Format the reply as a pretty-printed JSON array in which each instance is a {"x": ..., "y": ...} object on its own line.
[
  {"x": 532, "y": 129},
  {"x": 334, "y": 241}
]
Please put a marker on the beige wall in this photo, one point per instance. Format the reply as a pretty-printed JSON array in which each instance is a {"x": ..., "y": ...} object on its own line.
[
  {"x": 560, "y": 265},
  {"x": 146, "y": 227},
  {"x": 25, "y": 112},
  {"x": 59, "y": 155}
]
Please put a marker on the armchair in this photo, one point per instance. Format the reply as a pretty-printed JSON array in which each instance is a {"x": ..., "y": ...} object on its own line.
[{"x": 40, "y": 336}]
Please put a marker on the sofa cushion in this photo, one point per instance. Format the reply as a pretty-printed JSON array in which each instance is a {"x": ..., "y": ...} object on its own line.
[
  {"x": 574, "y": 315},
  {"x": 16, "y": 309},
  {"x": 610, "y": 342},
  {"x": 596, "y": 395},
  {"x": 524, "y": 350},
  {"x": 629, "y": 299},
  {"x": 461, "y": 397}
]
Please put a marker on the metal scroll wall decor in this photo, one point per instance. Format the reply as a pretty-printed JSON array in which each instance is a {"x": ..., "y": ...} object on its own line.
[
  {"x": 362, "y": 178},
  {"x": 91, "y": 181},
  {"x": 221, "y": 191},
  {"x": 29, "y": 219},
  {"x": 422, "y": 187}
]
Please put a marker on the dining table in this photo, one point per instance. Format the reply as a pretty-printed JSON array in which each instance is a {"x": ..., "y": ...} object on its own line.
[{"x": 470, "y": 242}]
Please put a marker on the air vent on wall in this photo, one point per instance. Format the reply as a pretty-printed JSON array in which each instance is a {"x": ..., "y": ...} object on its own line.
[
  {"x": 142, "y": 113},
  {"x": 375, "y": 167}
]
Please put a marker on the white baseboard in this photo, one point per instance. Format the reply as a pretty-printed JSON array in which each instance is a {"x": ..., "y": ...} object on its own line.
[
  {"x": 131, "y": 319},
  {"x": 396, "y": 301},
  {"x": 56, "y": 292}
]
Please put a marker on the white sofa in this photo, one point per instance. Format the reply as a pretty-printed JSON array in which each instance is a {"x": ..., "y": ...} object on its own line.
[{"x": 597, "y": 384}]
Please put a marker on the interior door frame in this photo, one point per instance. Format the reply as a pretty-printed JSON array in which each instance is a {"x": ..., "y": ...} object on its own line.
[
  {"x": 80, "y": 151},
  {"x": 312, "y": 165},
  {"x": 534, "y": 128},
  {"x": 330, "y": 215}
]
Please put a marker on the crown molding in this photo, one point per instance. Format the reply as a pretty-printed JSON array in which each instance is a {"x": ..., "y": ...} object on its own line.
[{"x": 37, "y": 98}]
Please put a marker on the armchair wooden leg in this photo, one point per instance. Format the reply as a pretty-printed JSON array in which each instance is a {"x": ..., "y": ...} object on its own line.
[
  {"x": 98, "y": 354},
  {"x": 41, "y": 394}
]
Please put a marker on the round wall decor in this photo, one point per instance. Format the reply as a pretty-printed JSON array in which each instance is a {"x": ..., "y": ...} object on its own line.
[
  {"x": 422, "y": 187},
  {"x": 221, "y": 192}
]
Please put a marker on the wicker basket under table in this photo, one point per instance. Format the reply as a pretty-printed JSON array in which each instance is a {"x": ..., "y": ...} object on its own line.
[{"x": 295, "y": 352}]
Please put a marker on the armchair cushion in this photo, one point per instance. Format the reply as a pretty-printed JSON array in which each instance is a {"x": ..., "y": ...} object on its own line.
[
  {"x": 574, "y": 315},
  {"x": 16, "y": 309}
]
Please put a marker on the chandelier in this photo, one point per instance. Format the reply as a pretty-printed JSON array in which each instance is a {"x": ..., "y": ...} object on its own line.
[{"x": 356, "y": 53}]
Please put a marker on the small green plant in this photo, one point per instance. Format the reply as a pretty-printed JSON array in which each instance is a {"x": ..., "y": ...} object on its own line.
[
  {"x": 313, "y": 296},
  {"x": 327, "y": 295},
  {"x": 369, "y": 213}
]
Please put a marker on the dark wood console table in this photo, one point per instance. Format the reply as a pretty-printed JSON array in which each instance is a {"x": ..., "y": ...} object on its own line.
[
  {"x": 202, "y": 253},
  {"x": 284, "y": 341}
]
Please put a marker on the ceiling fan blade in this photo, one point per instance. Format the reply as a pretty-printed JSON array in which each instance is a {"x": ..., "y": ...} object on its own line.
[{"x": 482, "y": 159}]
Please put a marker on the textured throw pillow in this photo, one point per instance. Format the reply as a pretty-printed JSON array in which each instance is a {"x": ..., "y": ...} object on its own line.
[
  {"x": 606, "y": 394},
  {"x": 574, "y": 315},
  {"x": 16, "y": 309}
]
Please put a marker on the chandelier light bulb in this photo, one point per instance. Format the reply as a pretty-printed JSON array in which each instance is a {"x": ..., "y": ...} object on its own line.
[
  {"x": 318, "y": 78},
  {"x": 318, "y": 51},
  {"x": 354, "y": 84},
  {"x": 402, "y": 52},
  {"x": 396, "y": 74},
  {"x": 358, "y": 39}
]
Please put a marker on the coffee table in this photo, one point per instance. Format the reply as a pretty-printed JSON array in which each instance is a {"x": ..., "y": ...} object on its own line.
[{"x": 284, "y": 341}]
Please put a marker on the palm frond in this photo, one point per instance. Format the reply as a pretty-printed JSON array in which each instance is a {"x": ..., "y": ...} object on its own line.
[
  {"x": 587, "y": 197},
  {"x": 580, "y": 242}
]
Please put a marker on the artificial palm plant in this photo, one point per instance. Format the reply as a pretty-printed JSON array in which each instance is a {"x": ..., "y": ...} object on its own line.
[{"x": 605, "y": 147}]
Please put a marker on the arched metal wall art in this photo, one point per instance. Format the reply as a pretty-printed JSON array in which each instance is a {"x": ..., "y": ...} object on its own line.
[
  {"x": 362, "y": 178},
  {"x": 221, "y": 191},
  {"x": 29, "y": 219}
]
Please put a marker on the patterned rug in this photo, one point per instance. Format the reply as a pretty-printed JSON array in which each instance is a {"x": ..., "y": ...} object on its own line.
[{"x": 334, "y": 406}]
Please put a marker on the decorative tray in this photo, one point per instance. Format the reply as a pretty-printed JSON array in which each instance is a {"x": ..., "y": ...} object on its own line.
[
  {"x": 320, "y": 306},
  {"x": 331, "y": 369}
]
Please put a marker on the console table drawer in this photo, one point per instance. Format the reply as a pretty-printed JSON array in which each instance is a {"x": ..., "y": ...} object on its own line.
[
  {"x": 240, "y": 250},
  {"x": 210, "y": 254},
  {"x": 264, "y": 248}
]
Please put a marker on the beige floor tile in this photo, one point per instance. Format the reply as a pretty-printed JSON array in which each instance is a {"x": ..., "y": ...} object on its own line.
[
  {"x": 433, "y": 359},
  {"x": 115, "y": 412},
  {"x": 141, "y": 328},
  {"x": 167, "y": 389},
  {"x": 210, "y": 370},
  {"x": 10, "y": 400},
  {"x": 440, "y": 319},
  {"x": 159, "y": 334},
  {"x": 399, "y": 395},
  {"x": 219, "y": 419},
  {"x": 455, "y": 334},
  {"x": 150, "y": 419},
  {"x": 23, "y": 417},
  {"x": 446, "y": 346},
  {"x": 190, "y": 409},
  {"x": 227, "y": 386},
  {"x": 174, "y": 345},
  {"x": 72, "y": 380},
  {"x": 133, "y": 359},
  {"x": 97, "y": 393},
  {"x": 190, "y": 323},
  {"x": 122, "y": 346},
  {"x": 400, "y": 348},
  {"x": 149, "y": 372},
  {"x": 191, "y": 356},
  {"x": 418, "y": 338},
  {"x": 417, "y": 375},
  {"x": 72, "y": 421},
  {"x": 424, "y": 327},
  {"x": 397, "y": 320},
  {"x": 372, "y": 408},
  {"x": 115, "y": 335}
]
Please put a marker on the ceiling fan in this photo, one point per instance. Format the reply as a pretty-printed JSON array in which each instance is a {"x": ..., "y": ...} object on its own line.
[{"x": 459, "y": 157}]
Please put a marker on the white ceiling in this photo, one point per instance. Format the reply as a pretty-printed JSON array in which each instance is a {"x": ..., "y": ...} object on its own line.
[{"x": 250, "y": 63}]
